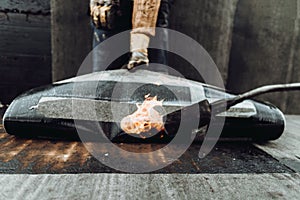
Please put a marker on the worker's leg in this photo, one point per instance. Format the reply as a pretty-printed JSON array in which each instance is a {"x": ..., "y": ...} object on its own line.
[
  {"x": 100, "y": 55},
  {"x": 144, "y": 19},
  {"x": 158, "y": 55}
]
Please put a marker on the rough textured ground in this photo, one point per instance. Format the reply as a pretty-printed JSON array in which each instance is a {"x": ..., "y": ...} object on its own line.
[
  {"x": 43, "y": 169},
  {"x": 46, "y": 156}
]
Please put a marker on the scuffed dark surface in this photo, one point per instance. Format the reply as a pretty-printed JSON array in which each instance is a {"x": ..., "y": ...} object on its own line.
[
  {"x": 25, "y": 6},
  {"x": 46, "y": 156},
  {"x": 25, "y": 50}
]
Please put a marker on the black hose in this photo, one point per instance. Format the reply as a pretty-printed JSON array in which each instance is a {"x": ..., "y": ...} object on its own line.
[{"x": 224, "y": 104}]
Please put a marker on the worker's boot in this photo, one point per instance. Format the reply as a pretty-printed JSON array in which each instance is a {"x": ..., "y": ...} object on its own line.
[
  {"x": 136, "y": 59},
  {"x": 139, "y": 43}
]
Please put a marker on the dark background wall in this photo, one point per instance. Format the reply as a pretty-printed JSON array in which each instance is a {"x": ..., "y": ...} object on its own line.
[
  {"x": 253, "y": 42},
  {"x": 209, "y": 22},
  {"x": 265, "y": 49},
  {"x": 71, "y": 36},
  {"x": 25, "y": 46}
]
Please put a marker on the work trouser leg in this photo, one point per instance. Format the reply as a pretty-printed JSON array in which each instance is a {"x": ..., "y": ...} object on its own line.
[
  {"x": 159, "y": 55},
  {"x": 101, "y": 55},
  {"x": 144, "y": 19}
]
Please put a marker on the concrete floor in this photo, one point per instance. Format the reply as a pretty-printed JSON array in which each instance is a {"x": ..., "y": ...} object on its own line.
[
  {"x": 233, "y": 170},
  {"x": 151, "y": 186}
]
